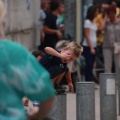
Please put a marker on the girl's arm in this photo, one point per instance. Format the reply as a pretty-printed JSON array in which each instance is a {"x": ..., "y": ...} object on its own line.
[
  {"x": 69, "y": 80},
  {"x": 52, "y": 51}
]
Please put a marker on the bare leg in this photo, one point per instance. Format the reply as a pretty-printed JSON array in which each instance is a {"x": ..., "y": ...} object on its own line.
[
  {"x": 54, "y": 79},
  {"x": 59, "y": 78}
]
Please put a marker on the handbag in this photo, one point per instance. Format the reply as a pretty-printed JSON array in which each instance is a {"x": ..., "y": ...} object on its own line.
[{"x": 116, "y": 47}]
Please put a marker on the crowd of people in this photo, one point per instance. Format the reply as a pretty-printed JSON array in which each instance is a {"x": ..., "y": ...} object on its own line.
[
  {"x": 101, "y": 41},
  {"x": 101, "y": 38},
  {"x": 25, "y": 76},
  {"x": 36, "y": 76},
  {"x": 100, "y": 35}
]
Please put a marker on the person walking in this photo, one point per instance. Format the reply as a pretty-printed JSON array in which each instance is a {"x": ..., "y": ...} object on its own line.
[
  {"x": 111, "y": 43},
  {"x": 90, "y": 41}
]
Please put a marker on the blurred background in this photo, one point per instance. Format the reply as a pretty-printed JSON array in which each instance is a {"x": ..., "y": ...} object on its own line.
[{"x": 25, "y": 22}]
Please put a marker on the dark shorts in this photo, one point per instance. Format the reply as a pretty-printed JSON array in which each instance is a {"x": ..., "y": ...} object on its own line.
[{"x": 56, "y": 70}]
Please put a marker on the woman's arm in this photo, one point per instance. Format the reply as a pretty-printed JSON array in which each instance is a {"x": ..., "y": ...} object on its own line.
[
  {"x": 47, "y": 30},
  {"x": 102, "y": 24}
]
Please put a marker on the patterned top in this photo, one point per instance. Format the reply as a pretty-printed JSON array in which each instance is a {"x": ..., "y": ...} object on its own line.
[{"x": 20, "y": 75}]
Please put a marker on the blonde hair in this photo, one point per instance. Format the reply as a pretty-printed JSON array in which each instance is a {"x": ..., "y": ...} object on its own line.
[
  {"x": 76, "y": 48},
  {"x": 3, "y": 12}
]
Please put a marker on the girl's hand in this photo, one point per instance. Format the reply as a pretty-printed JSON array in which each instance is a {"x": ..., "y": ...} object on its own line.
[
  {"x": 64, "y": 55},
  {"x": 71, "y": 87}
]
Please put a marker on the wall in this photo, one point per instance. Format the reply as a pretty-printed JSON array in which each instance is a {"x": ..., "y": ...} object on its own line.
[
  {"x": 70, "y": 19},
  {"x": 23, "y": 22}
]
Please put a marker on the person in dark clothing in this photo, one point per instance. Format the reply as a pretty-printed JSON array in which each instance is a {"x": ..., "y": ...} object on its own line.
[
  {"x": 50, "y": 27},
  {"x": 56, "y": 62}
]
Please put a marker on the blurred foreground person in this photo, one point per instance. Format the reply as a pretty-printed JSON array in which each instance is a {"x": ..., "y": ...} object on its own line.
[{"x": 21, "y": 75}]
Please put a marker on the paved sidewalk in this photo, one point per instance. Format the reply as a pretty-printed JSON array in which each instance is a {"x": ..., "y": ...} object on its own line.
[{"x": 71, "y": 106}]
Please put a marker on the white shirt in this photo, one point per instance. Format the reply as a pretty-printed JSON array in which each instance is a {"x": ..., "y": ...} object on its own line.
[{"x": 93, "y": 28}]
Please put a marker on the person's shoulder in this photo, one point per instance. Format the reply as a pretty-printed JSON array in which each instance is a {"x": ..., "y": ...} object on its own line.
[
  {"x": 48, "y": 14},
  {"x": 42, "y": 15},
  {"x": 14, "y": 48},
  {"x": 49, "y": 17},
  {"x": 6, "y": 41},
  {"x": 10, "y": 44},
  {"x": 54, "y": 58},
  {"x": 87, "y": 21},
  {"x": 45, "y": 58}
]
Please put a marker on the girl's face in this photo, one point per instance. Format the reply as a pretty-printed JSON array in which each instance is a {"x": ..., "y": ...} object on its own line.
[{"x": 71, "y": 56}]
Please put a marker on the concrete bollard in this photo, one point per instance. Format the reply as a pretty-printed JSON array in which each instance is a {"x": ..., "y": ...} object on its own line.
[
  {"x": 118, "y": 85},
  {"x": 85, "y": 100},
  {"x": 58, "y": 111},
  {"x": 108, "y": 96}
]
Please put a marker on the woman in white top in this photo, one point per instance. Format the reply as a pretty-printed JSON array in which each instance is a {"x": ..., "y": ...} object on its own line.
[{"x": 90, "y": 41}]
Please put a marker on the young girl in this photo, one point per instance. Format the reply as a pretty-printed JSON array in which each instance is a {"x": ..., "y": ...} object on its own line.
[{"x": 55, "y": 62}]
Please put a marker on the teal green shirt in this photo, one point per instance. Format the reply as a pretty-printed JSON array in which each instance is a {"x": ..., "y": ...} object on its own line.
[{"x": 20, "y": 75}]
